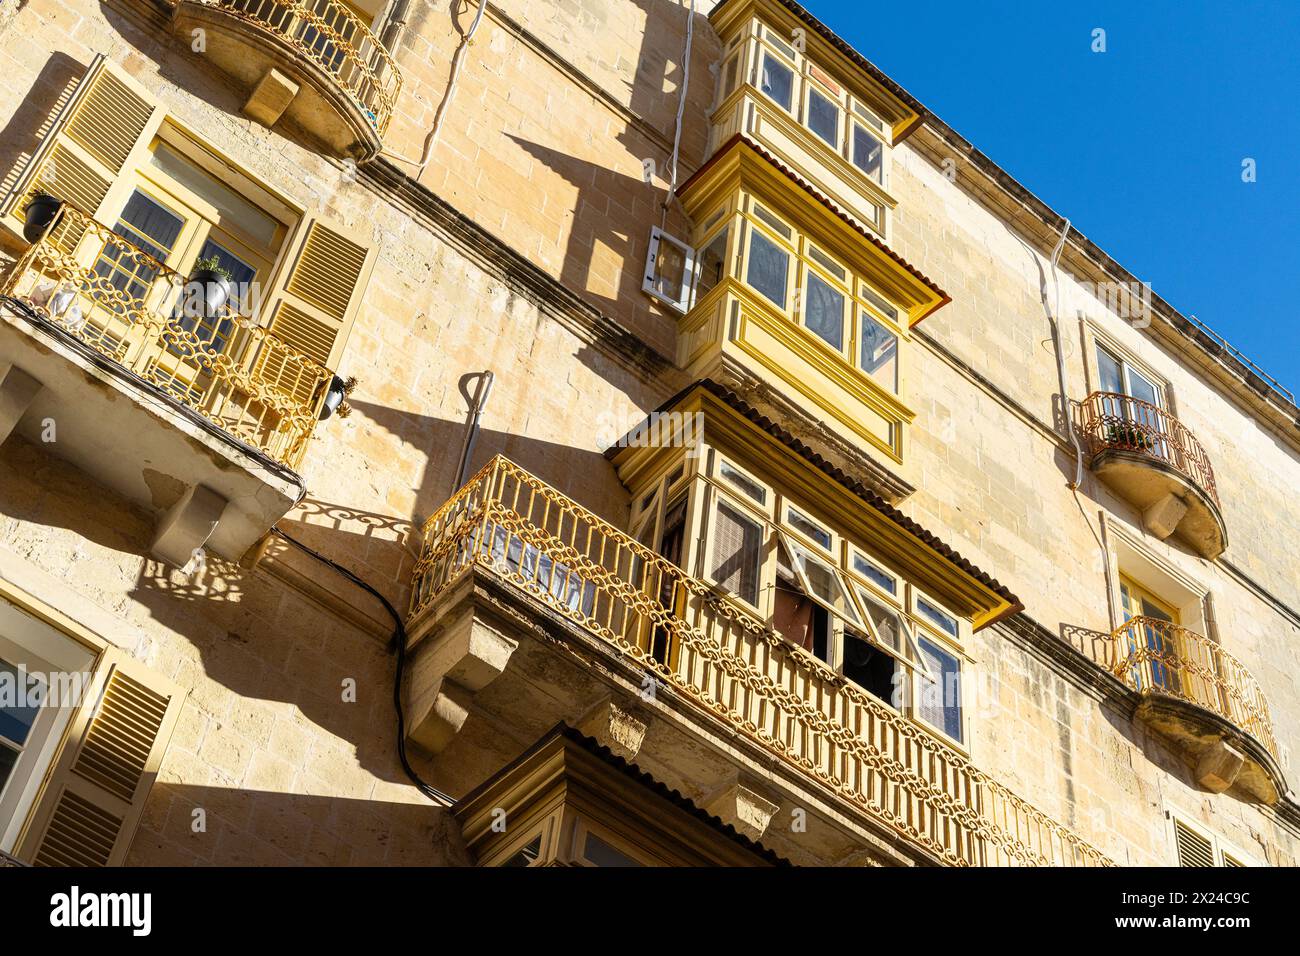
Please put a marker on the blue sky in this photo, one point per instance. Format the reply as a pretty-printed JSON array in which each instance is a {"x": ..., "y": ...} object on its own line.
[{"x": 1140, "y": 146}]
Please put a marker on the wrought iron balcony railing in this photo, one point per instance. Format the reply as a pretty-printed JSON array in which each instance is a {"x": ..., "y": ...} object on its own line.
[
  {"x": 333, "y": 38},
  {"x": 1112, "y": 421},
  {"x": 726, "y": 662},
  {"x": 1156, "y": 657},
  {"x": 114, "y": 297}
]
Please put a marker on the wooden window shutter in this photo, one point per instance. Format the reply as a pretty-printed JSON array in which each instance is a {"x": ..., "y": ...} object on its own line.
[
  {"x": 95, "y": 791},
  {"x": 101, "y": 128},
  {"x": 312, "y": 306},
  {"x": 1193, "y": 849}
]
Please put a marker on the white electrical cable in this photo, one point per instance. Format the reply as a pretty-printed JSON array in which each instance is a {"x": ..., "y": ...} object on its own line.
[
  {"x": 1060, "y": 358},
  {"x": 457, "y": 63},
  {"x": 681, "y": 108}
]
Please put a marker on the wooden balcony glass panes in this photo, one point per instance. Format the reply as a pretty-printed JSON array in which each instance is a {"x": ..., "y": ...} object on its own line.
[{"x": 722, "y": 656}]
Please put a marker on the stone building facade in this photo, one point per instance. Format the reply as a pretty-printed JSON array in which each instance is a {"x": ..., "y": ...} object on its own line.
[{"x": 930, "y": 537}]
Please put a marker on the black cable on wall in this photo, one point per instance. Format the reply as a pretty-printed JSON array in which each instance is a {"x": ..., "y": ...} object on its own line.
[{"x": 399, "y": 639}]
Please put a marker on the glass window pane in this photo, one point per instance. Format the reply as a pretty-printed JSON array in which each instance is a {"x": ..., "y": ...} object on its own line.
[
  {"x": 214, "y": 332},
  {"x": 1108, "y": 368},
  {"x": 824, "y": 582},
  {"x": 1141, "y": 388},
  {"x": 669, "y": 270},
  {"x": 149, "y": 227},
  {"x": 780, "y": 228},
  {"x": 867, "y": 152},
  {"x": 713, "y": 263},
  {"x": 527, "y": 856},
  {"x": 21, "y": 695},
  {"x": 597, "y": 851},
  {"x": 7, "y": 760},
  {"x": 824, "y": 311},
  {"x": 945, "y": 622},
  {"x": 887, "y": 621},
  {"x": 769, "y": 265},
  {"x": 824, "y": 117},
  {"x": 883, "y": 307},
  {"x": 940, "y": 697},
  {"x": 737, "y": 552},
  {"x": 879, "y": 356},
  {"x": 729, "y": 75},
  {"x": 869, "y": 116},
  {"x": 233, "y": 210},
  {"x": 777, "y": 81},
  {"x": 742, "y": 481},
  {"x": 874, "y": 574},
  {"x": 807, "y": 526},
  {"x": 827, "y": 263}
]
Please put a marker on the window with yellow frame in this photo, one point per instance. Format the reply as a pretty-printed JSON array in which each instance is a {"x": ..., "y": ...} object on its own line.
[
  {"x": 791, "y": 272},
  {"x": 840, "y": 120},
  {"x": 781, "y": 561}
]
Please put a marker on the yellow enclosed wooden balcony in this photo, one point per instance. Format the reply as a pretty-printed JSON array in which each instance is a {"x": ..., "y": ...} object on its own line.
[
  {"x": 722, "y": 662},
  {"x": 1154, "y": 462},
  {"x": 1201, "y": 697},
  {"x": 313, "y": 63},
  {"x": 199, "y": 417},
  {"x": 798, "y": 308}
]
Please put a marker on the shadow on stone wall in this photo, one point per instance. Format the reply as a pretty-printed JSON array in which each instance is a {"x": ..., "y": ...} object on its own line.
[
  {"x": 1097, "y": 646},
  {"x": 246, "y": 827},
  {"x": 22, "y": 134}
]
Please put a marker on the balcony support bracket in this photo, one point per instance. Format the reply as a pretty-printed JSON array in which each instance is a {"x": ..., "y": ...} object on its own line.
[
  {"x": 1162, "y": 517},
  {"x": 617, "y": 727},
  {"x": 453, "y": 660},
  {"x": 742, "y": 805},
  {"x": 17, "y": 390},
  {"x": 187, "y": 525},
  {"x": 1218, "y": 766},
  {"x": 270, "y": 98}
]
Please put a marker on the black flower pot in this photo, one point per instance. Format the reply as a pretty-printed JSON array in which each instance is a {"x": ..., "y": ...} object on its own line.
[
  {"x": 333, "y": 398},
  {"x": 41, "y": 213},
  {"x": 208, "y": 292}
]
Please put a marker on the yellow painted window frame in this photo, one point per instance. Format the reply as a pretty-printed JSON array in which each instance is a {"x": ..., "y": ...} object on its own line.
[
  {"x": 801, "y": 261},
  {"x": 802, "y": 66},
  {"x": 789, "y": 245},
  {"x": 1137, "y": 592}
]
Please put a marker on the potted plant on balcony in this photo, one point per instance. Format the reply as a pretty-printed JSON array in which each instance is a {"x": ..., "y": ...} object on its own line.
[
  {"x": 1129, "y": 436},
  {"x": 40, "y": 215},
  {"x": 209, "y": 287}
]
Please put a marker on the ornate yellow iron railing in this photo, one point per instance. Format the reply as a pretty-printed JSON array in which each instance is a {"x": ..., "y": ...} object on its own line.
[
  {"x": 1156, "y": 657},
  {"x": 729, "y": 664},
  {"x": 1109, "y": 420},
  {"x": 332, "y": 37},
  {"x": 126, "y": 305}
]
